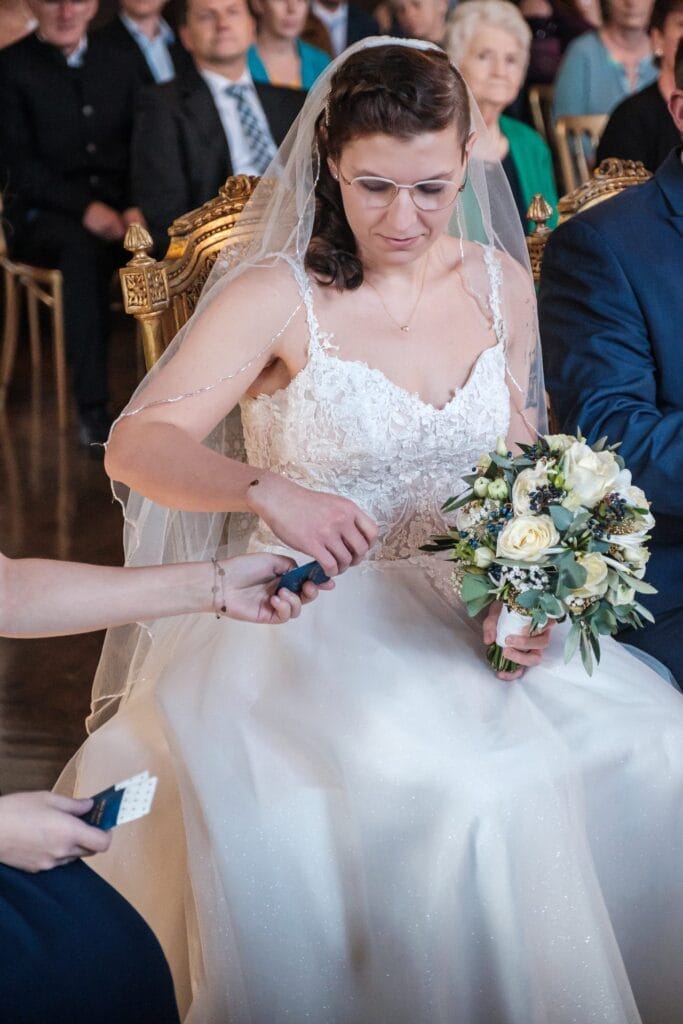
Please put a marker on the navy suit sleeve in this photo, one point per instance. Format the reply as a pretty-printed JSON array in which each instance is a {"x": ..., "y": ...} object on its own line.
[
  {"x": 600, "y": 368},
  {"x": 159, "y": 177}
]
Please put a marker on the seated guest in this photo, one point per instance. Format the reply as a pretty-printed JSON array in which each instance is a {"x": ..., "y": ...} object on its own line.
[
  {"x": 488, "y": 42},
  {"x": 345, "y": 23},
  {"x": 641, "y": 127},
  {"x": 422, "y": 19},
  {"x": 75, "y": 951},
  {"x": 554, "y": 24},
  {"x": 603, "y": 67},
  {"x": 611, "y": 310},
  {"x": 279, "y": 56},
  {"x": 64, "y": 149},
  {"x": 210, "y": 121},
  {"x": 141, "y": 31}
]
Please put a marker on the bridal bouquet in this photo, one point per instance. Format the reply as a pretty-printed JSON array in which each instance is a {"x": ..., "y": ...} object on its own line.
[{"x": 557, "y": 532}]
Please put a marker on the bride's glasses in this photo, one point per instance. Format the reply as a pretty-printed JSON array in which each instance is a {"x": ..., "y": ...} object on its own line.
[{"x": 430, "y": 195}]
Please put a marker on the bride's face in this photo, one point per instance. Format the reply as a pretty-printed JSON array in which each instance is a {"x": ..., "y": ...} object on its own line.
[{"x": 400, "y": 232}]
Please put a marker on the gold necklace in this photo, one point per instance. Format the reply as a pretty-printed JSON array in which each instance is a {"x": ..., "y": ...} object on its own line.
[{"x": 406, "y": 326}]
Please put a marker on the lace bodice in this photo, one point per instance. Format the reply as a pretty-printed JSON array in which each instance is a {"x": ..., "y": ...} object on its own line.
[{"x": 343, "y": 427}]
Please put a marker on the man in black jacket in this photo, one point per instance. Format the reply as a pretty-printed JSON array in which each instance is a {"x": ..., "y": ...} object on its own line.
[
  {"x": 64, "y": 154},
  {"x": 140, "y": 31},
  {"x": 209, "y": 122}
]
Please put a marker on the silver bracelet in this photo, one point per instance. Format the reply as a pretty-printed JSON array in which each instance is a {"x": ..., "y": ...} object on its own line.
[{"x": 218, "y": 587}]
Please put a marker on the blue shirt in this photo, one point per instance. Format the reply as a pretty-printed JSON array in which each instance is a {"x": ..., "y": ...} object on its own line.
[
  {"x": 313, "y": 61},
  {"x": 155, "y": 51},
  {"x": 591, "y": 81}
]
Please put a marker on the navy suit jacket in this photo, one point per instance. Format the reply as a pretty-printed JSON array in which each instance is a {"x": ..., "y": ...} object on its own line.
[{"x": 611, "y": 313}]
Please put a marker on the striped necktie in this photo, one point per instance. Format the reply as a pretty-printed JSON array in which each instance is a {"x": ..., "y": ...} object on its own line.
[{"x": 260, "y": 141}]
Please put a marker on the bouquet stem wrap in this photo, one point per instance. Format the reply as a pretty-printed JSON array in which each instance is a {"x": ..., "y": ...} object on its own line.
[{"x": 510, "y": 623}]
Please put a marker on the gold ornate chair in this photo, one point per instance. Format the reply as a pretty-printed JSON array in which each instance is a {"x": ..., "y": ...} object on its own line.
[
  {"x": 41, "y": 287},
  {"x": 162, "y": 294},
  {"x": 608, "y": 179},
  {"x": 572, "y": 135}
]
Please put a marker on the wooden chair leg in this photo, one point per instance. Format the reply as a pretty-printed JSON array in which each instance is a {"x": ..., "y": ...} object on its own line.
[
  {"x": 10, "y": 335},
  {"x": 33, "y": 329},
  {"x": 59, "y": 354}
]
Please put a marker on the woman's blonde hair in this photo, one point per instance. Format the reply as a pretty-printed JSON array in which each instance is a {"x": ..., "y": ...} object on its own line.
[{"x": 470, "y": 15}]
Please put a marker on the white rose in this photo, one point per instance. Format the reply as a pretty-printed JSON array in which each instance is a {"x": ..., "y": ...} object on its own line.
[
  {"x": 596, "y": 576},
  {"x": 634, "y": 496},
  {"x": 559, "y": 442},
  {"x": 528, "y": 480},
  {"x": 588, "y": 475},
  {"x": 483, "y": 557},
  {"x": 527, "y": 538}
]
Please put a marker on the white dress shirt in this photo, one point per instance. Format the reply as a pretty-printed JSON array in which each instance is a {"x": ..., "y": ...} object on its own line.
[
  {"x": 240, "y": 150},
  {"x": 77, "y": 56},
  {"x": 155, "y": 51},
  {"x": 336, "y": 22}
]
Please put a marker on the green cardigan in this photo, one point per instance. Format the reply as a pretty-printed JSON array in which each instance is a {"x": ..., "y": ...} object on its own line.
[{"x": 533, "y": 163}]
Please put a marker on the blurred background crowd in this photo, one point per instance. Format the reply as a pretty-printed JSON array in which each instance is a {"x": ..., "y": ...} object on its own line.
[{"x": 138, "y": 113}]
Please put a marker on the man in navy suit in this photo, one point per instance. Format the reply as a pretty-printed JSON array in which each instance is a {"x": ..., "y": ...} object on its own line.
[{"x": 611, "y": 313}]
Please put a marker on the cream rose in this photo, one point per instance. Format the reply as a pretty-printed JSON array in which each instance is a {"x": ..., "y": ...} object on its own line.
[
  {"x": 588, "y": 475},
  {"x": 559, "y": 442},
  {"x": 596, "y": 576},
  {"x": 527, "y": 538},
  {"x": 528, "y": 480}
]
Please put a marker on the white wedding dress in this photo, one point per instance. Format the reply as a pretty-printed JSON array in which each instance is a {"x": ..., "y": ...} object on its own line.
[{"x": 357, "y": 822}]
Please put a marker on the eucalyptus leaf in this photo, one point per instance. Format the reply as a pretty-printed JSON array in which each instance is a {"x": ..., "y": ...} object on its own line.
[
  {"x": 572, "y": 642},
  {"x": 562, "y": 517}
]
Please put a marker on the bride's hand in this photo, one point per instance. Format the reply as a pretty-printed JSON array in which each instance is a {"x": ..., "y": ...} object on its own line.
[
  {"x": 331, "y": 529},
  {"x": 250, "y": 584},
  {"x": 526, "y": 650}
]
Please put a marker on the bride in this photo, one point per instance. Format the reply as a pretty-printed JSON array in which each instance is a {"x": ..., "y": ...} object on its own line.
[{"x": 358, "y": 822}]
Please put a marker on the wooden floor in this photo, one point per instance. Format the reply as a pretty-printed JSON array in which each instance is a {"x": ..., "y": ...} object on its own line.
[{"x": 55, "y": 502}]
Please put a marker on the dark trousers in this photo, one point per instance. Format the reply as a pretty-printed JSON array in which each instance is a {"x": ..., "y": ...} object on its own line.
[
  {"x": 662, "y": 640},
  {"x": 73, "y": 951},
  {"x": 87, "y": 264}
]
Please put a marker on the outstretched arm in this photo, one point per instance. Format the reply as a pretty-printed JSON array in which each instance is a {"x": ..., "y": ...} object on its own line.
[{"x": 40, "y": 597}]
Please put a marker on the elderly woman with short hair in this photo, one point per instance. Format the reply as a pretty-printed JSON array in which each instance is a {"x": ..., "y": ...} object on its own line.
[{"x": 489, "y": 41}]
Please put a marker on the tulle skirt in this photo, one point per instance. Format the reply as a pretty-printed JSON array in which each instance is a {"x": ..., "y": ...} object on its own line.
[{"x": 358, "y": 823}]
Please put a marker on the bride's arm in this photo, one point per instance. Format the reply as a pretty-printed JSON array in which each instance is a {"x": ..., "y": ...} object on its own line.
[{"x": 159, "y": 451}]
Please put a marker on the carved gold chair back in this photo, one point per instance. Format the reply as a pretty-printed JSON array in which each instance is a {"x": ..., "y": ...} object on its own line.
[
  {"x": 162, "y": 294},
  {"x": 41, "y": 286},
  {"x": 577, "y": 139},
  {"x": 608, "y": 179}
]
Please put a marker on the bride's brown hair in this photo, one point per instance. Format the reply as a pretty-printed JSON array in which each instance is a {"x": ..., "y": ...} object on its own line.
[{"x": 392, "y": 90}]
